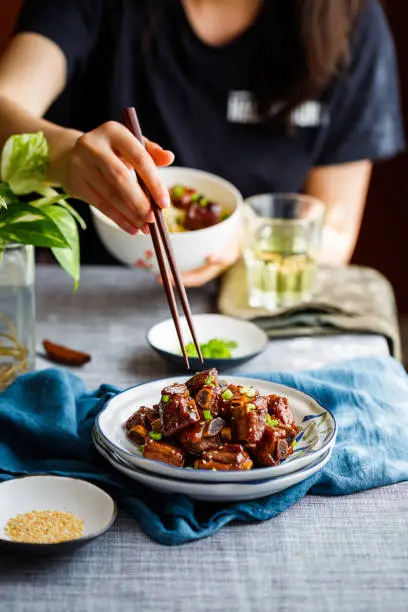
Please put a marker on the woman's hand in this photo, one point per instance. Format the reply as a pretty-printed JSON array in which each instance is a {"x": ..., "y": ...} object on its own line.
[
  {"x": 98, "y": 169},
  {"x": 216, "y": 264}
]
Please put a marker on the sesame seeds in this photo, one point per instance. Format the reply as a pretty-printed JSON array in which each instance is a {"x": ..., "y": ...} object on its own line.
[{"x": 44, "y": 527}]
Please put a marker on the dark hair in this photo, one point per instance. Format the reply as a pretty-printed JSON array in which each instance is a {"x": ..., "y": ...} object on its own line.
[{"x": 310, "y": 44}]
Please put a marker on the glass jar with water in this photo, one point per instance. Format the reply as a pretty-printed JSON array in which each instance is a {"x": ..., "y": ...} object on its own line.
[
  {"x": 17, "y": 312},
  {"x": 283, "y": 236}
]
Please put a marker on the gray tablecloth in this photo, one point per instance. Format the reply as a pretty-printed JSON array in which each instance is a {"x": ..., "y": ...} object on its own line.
[{"x": 325, "y": 554}]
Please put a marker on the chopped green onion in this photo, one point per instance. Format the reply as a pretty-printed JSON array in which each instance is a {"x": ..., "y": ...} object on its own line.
[
  {"x": 270, "y": 421},
  {"x": 227, "y": 395},
  {"x": 251, "y": 392},
  {"x": 177, "y": 191},
  {"x": 207, "y": 415},
  {"x": 229, "y": 343},
  {"x": 251, "y": 406},
  {"x": 165, "y": 399},
  {"x": 210, "y": 381},
  {"x": 203, "y": 202},
  {"x": 294, "y": 444},
  {"x": 155, "y": 435},
  {"x": 213, "y": 349},
  {"x": 141, "y": 447},
  {"x": 195, "y": 197}
]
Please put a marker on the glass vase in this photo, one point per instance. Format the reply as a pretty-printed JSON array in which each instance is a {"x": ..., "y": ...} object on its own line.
[{"x": 17, "y": 312}]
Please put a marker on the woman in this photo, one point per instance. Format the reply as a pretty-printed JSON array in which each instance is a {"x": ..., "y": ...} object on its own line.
[{"x": 273, "y": 95}]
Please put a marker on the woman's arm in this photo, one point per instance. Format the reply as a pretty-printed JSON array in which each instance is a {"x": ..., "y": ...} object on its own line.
[
  {"x": 32, "y": 75},
  {"x": 93, "y": 167},
  {"x": 343, "y": 188}
]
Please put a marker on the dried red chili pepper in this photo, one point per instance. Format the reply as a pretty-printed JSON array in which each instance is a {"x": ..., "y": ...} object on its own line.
[{"x": 64, "y": 355}]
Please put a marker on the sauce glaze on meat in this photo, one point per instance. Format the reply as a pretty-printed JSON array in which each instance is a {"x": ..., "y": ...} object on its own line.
[
  {"x": 190, "y": 210},
  {"x": 209, "y": 424}
]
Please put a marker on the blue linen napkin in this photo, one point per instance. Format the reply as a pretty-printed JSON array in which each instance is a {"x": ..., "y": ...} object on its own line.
[{"x": 46, "y": 421}]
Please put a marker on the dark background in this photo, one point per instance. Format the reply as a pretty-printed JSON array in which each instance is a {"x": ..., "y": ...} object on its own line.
[{"x": 382, "y": 240}]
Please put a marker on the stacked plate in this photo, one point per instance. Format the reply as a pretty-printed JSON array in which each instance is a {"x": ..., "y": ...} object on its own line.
[{"x": 314, "y": 446}]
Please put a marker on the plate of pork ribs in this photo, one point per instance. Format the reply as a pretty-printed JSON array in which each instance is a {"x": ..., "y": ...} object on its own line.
[{"x": 215, "y": 439}]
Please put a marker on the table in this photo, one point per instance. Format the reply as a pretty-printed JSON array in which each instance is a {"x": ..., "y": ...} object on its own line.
[{"x": 325, "y": 554}]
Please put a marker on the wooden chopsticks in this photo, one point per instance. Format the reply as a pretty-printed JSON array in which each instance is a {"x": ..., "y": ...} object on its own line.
[{"x": 160, "y": 237}]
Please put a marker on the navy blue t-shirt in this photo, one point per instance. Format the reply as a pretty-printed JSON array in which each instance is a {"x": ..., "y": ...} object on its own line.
[{"x": 196, "y": 99}]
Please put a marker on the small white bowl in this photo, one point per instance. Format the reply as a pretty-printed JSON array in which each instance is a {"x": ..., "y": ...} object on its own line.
[
  {"x": 45, "y": 492},
  {"x": 190, "y": 248},
  {"x": 250, "y": 339}
]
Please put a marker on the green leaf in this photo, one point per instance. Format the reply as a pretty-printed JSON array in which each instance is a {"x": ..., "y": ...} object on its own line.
[
  {"x": 30, "y": 225},
  {"x": 31, "y": 232},
  {"x": 59, "y": 198},
  {"x": 67, "y": 257},
  {"x": 46, "y": 191},
  {"x": 24, "y": 162},
  {"x": 74, "y": 213},
  {"x": 7, "y": 195},
  {"x": 23, "y": 212},
  {"x": 55, "y": 198}
]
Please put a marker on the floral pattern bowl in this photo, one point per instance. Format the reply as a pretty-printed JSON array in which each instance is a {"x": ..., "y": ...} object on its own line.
[{"x": 191, "y": 249}]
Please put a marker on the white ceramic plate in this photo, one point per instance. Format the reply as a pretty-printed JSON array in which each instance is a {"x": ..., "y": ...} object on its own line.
[
  {"x": 317, "y": 431},
  {"x": 251, "y": 340},
  {"x": 215, "y": 492},
  {"x": 44, "y": 492}
]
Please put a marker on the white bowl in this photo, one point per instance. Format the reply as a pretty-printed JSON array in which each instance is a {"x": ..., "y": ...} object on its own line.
[
  {"x": 317, "y": 431},
  {"x": 215, "y": 492},
  {"x": 190, "y": 248},
  {"x": 251, "y": 340},
  {"x": 45, "y": 492}
]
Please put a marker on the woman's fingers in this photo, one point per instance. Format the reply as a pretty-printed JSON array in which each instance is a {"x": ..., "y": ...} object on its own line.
[
  {"x": 96, "y": 199},
  {"x": 160, "y": 156},
  {"x": 101, "y": 170},
  {"x": 216, "y": 264},
  {"x": 203, "y": 275},
  {"x": 110, "y": 194},
  {"x": 126, "y": 145},
  {"x": 95, "y": 168},
  {"x": 121, "y": 185}
]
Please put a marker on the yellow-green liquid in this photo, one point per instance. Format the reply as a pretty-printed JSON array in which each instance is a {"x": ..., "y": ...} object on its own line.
[{"x": 278, "y": 275}]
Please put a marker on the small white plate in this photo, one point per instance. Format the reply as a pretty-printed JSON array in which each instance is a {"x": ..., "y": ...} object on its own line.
[
  {"x": 217, "y": 492},
  {"x": 317, "y": 431},
  {"x": 251, "y": 340},
  {"x": 45, "y": 492}
]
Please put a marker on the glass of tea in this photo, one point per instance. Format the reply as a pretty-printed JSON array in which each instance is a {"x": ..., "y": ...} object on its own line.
[{"x": 282, "y": 243}]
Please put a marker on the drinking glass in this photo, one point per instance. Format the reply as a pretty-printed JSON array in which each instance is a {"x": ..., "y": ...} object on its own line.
[
  {"x": 282, "y": 242},
  {"x": 17, "y": 312}
]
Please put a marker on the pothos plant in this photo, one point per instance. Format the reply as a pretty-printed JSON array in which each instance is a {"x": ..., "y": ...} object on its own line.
[{"x": 32, "y": 213}]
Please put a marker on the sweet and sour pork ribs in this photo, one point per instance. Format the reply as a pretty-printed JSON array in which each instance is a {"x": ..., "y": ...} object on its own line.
[{"x": 208, "y": 424}]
